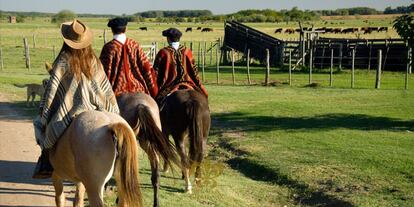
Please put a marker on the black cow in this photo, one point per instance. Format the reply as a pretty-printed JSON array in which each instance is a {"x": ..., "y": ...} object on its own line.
[
  {"x": 189, "y": 29},
  {"x": 143, "y": 28},
  {"x": 383, "y": 29},
  {"x": 349, "y": 30},
  {"x": 279, "y": 30},
  {"x": 207, "y": 29}
]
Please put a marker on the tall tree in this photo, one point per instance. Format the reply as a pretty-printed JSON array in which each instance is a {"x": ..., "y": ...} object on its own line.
[
  {"x": 63, "y": 16},
  {"x": 404, "y": 25}
]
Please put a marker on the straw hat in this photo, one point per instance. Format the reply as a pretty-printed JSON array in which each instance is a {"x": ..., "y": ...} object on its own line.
[{"x": 76, "y": 34}]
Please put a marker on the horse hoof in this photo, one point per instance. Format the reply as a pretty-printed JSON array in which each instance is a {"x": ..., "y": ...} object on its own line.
[{"x": 189, "y": 190}]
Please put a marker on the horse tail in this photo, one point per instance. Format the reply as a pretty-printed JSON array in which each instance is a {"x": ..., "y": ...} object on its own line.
[
  {"x": 157, "y": 142},
  {"x": 195, "y": 132},
  {"x": 127, "y": 166}
]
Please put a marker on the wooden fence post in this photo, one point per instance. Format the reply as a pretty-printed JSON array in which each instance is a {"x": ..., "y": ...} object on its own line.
[
  {"x": 340, "y": 57},
  {"x": 411, "y": 61},
  {"x": 409, "y": 65},
  {"x": 34, "y": 41},
  {"x": 369, "y": 58},
  {"x": 199, "y": 54},
  {"x": 353, "y": 69},
  {"x": 211, "y": 53},
  {"x": 232, "y": 67},
  {"x": 267, "y": 67},
  {"x": 26, "y": 52},
  {"x": 1, "y": 59},
  {"x": 248, "y": 67},
  {"x": 290, "y": 67},
  {"x": 310, "y": 65},
  {"x": 205, "y": 51},
  {"x": 378, "y": 76},
  {"x": 331, "y": 72},
  {"x": 54, "y": 52},
  {"x": 104, "y": 36},
  {"x": 202, "y": 64},
  {"x": 217, "y": 65},
  {"x": 191, "y": 46}
]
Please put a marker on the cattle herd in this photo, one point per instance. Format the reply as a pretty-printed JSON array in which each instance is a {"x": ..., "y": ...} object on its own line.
[
  {"x": 206, "y": 29},
  {"x": 189, "y": 29},
  {"x": 365, "y": 30}
]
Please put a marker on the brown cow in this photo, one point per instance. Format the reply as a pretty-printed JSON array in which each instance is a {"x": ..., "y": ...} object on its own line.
[
  {"x": 290, "y": 31},
  {"x": 337, "y": 30}
]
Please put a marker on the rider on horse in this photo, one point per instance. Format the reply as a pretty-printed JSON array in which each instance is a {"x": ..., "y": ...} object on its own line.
[
  {"x": 176, "y": 68},
  {"x": 77, "y": 84},
  {"x": 126, "y": 65}
]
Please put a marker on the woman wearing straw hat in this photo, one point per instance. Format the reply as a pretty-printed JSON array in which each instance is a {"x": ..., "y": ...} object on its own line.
[{"x": 77, "y": 84}]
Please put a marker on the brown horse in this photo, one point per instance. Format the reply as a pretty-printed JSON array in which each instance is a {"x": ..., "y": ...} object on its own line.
[
  {"x": 95, "y": 145},
  {"x": 186, "y": 116},
  {"x": 142, "y": 114}
]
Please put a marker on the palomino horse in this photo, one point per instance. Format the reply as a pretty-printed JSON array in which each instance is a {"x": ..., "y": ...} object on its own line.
[
  {"x": 94, "y": 146},
  {"x": 185, "y": 115},
  {"x": 142, "y": 114}
]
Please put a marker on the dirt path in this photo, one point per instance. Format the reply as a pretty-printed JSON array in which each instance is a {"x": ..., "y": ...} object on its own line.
[{"x": 18, "y": 156}]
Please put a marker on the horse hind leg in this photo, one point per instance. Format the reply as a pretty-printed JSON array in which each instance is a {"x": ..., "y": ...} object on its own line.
[
  {"x": 185, "y": 167},
  {"x": 155, "y": 177},
  {"x": 95, "y": 194},
  {"x": 59, "y": 194},
  {"x": 155, "y": 174},
  {"x": 79, "y": 196}
]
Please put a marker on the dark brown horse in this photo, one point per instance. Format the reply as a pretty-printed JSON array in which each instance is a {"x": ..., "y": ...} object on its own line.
[
  {"x": 142, "y": 114},
  {"x": 186, "y": 116}
]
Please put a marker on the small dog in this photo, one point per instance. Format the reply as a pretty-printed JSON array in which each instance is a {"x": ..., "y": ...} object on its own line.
[{"x": 34, "y": 89}]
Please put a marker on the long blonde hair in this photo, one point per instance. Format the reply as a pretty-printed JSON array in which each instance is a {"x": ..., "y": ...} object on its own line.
[{"x": 80, "y": 60}]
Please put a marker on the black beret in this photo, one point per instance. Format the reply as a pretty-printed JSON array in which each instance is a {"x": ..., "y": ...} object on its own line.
[
  {"x": 117, "y": 22},
  {"x": 172, "y": 33}
]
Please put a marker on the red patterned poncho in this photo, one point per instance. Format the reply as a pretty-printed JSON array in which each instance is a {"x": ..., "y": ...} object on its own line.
[
  {"x": 176, "y": 70},
  {"x": 137, "y": 75}
]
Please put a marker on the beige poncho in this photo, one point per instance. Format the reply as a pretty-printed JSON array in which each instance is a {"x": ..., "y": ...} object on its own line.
[{"x": 67, "y": 97}]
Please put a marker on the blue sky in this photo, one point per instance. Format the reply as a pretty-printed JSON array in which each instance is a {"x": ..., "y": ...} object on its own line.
[{"x": 119, "y": 7}]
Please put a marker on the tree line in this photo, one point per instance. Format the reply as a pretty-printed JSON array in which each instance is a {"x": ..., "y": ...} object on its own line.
[
  {"x": 400, "y": 10},
  {"x": 249, "y": 15}
]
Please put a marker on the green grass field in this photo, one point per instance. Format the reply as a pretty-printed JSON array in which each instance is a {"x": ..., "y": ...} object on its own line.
[{"x": 271, "y": 146}]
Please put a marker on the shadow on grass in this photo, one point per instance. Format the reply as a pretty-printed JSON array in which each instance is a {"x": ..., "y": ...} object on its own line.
[
  {"x": 247, "y": 122},
  {"x": 302, "y": 193}
]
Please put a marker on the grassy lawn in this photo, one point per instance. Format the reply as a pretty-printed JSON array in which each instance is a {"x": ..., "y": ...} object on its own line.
[
  {"x": 295, "y": 146},
  {"x": 303, "y": 147},
  {"x": 271, "y": 146}
]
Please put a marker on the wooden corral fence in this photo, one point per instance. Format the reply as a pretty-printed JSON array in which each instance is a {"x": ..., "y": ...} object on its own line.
[
  {"x": 394, "y": 55},
  {"x": 241, "y": 38}
]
